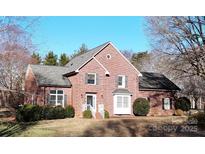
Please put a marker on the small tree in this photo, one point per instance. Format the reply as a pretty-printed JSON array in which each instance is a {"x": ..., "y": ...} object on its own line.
[
  {"x": 50, "y": 59},
  {"x": 64, "y": 59},
  {"x": 141, "y": 107}
]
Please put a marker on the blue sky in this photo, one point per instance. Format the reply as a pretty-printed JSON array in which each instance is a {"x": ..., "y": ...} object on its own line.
[{"x": 66, "y": 34}]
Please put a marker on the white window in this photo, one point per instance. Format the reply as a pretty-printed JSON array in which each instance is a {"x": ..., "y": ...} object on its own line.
[
  {"x": 167, "y": 103},
  {"x": 122, "y": 104},
  {"x": 121, "y": 81},
  {"x": 56, "y": 97},
  {"x": 119, "y": 101},
  {"x": 91, "y": 78}
]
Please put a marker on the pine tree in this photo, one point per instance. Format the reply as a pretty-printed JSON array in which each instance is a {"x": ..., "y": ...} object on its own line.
[
  {"x": 51, "y": 59},
  {"x": 64, "y": 59},
  {"x": 83, "y": 49},
  {"x": 36, "y": 57}
]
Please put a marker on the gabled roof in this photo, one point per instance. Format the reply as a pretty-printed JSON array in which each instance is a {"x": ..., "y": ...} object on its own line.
[
  {"x": 76, "y": 63},
  {"x": 80, "y": 60},
  {"x": 156, "y": 81},
  {"x": 50, "y": 75}
]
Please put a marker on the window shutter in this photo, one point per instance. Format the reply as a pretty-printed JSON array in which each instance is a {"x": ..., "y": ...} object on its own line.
[
  {"x": 86, "y": 78},
  {"x": 48, "y": 98},
  {"x": 163, "y": 103},
  {"x": 170, "y": 103},
  {"x": 65, "y": 100},
  {"x": 97, "y": 79},
  {"x": 126, "y": 81},
  {"x": 116, "y": 81}
]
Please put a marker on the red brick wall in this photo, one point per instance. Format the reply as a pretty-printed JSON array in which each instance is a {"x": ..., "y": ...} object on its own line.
[
  {"x": 156, "y": 101},
  {"x": 117, "y": 65}
]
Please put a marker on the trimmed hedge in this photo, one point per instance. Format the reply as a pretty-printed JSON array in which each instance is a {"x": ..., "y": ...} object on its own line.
[
  {"x": 28, "y": 113},
  {"x": 87, "y": 114},
  {"x": 183, "y": 103},
  {"x": 106, "y": 114},
  {"x": 141, "y": 107}
]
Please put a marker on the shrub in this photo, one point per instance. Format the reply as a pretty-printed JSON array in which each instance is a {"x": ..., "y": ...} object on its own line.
[
  {"x": 141, "y": 107},
  {"x": 70, "y": 112},
  {"x": 87, "y": 114},
  {"x": 28, "y": 113},
  {"x": 58, "y": 112},
  {"x": 47, "y": 112},
  {"x": 199, "y": 118},
  {"x": 106, "y": 114},
  {"x": 183, "y": 103},
  {"x": 179, "y": 112}
]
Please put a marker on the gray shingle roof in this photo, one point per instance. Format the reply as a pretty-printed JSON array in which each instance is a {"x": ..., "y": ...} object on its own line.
[
  {"x": 121, "y": 91},
  {"x": 153, "y": 81},
  {"x": 50, "y": 75},
  {"x": 78, "y": 61}
]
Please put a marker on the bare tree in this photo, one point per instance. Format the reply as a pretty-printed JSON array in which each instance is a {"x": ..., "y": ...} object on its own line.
[
  {"x": 181, "y": 37},
  {"x": 127, "y": 53},
  {"x": 15, "y": 48}
]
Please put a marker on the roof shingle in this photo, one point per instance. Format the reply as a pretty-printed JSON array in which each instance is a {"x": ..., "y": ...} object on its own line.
[
  {"x": 50, "y": 75},
  {"x": 153, "y": 81}
]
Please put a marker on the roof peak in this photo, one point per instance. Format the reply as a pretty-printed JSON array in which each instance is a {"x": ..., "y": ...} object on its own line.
[{"x": 90, "y": 50}]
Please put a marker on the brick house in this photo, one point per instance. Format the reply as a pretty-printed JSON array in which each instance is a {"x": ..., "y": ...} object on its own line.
[{"x": 100, "y": 79}]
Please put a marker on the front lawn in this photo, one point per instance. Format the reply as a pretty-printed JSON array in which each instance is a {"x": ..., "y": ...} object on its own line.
[{"x": 138, "y": 126}]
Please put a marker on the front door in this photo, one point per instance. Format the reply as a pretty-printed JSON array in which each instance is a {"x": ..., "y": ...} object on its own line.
[{"x": 91, "y": 102}]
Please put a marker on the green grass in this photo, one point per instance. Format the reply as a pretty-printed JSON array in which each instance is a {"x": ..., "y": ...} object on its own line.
[{"x": 138, "y": 126}]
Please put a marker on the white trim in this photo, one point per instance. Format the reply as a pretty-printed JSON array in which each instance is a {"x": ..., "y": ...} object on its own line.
[
  {"x": 121, "y": 110},
  {"x": 108, "y": 55},
  {"x": 106, "y": 71},
  {"x": 139, "y": 74},
  {"x": 95, "y": 78},
  {"x": 90, "y": 58}
]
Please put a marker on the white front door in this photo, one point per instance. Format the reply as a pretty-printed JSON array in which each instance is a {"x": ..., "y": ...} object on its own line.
[
  {"x": 91, "y": 102},
  {"x": 122, "y": 104}
]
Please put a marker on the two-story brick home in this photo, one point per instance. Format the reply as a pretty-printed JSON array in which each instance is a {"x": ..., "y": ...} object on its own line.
[{"x": 102, "y": 78}]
